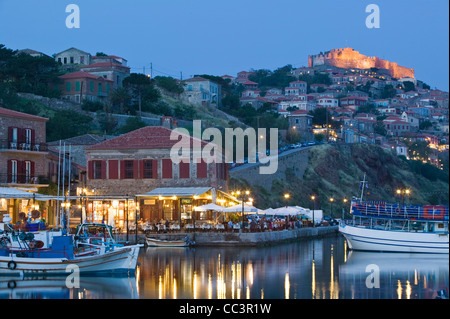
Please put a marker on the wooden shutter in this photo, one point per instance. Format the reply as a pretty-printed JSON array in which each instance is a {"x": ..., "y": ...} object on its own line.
[
  {"x": 90, "y": 169},
  {"x": 141, "y": 169},
  {"x": 33, "y": 137},
  {"x": 32, "y": 166},
  {"x": 202, "y": 168},
  {"x": 167, "y": 168},
  {"x": 103, "y": 169},
  {"x": 10, "y": 135},
  {"x": 135, "y": 169},
  {"x": 9, "y": 171},
  {"x": 113, "y": 169},
  {"x": 155, "y": 168},
  {"x": 122, "y": 169},
  {"x": 184, "y": 169}
]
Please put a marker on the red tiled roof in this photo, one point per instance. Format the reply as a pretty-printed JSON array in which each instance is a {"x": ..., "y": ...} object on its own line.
[
  {"x": 149, "y": 137},
  {"x": 104, "y": 64},
  {"x": 82, "y": 75},
  {"x": 11, "y": 113},
  {"x": 300, "y": 112}
]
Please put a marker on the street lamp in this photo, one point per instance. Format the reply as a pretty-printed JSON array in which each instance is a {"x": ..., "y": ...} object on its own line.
[
  {"x": 286, "y": 197},
  {"x": 402, "y": 192},
  {"x": 345, "y": 200},
  {"x": 242, "y": 198},
  {"x": 331, "y": 206},
  {"x": 314, "y": 208}
]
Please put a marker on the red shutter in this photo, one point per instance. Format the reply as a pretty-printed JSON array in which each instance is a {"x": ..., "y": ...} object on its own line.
[
  {"x": 141, "y": 169},
  {"x": 20, "y": 135},
  {"x": 103, "y": 169},
  {"x": 32, "y": 169},
  {"x": 113, "y": 166},
  {"x": 155, "y": 169},
  {"x": 122, "y": 169},
  {"x": 135, "y": 169},
  {"x": 20, "y": 171},
  {"x": 202, "y": 169},
  {"x": 184, "y": 169},
  {"x": 166, "y": 168},
  {"x": 9, "y": 171},
  {"x": 10, "y": 135},
  {"x": 33, "y": 137},
  {"x": 90, "y": 170}
]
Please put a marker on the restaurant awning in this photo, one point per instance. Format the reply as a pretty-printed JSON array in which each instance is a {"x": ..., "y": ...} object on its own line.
[
  {"x": 238, "y": 208},
  {"x": 13, "y": 193},
  {"x": 176, "y": 191},
  {"x": 207, "y": 207}
]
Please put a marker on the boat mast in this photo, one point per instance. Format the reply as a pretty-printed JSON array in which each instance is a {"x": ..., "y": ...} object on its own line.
[{"x": 363, "y": 185}]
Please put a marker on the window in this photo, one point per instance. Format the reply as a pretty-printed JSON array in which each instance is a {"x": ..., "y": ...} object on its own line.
[
  {"x": 13, "y": 172},
  {"x": 184, "y": 169},
  {"x": 59, "y": 60},
  {"x": 71, "y": 60},
  {"x": 97, "y": 170},
  {"x": 65, "y": 60},
  {"x": 91, "y": 86},
  {"x": 81, "y": 59},
  {"x": 148, "y": 169},
  {"x": 28, "y": 138},
  {"x": 100, "y": 88},
  {"x": 77, "y": 86},
  {"x": 28, "y": 172},
  {"x": 129, "y": 169},
  {"x": 68, "y": 87}
]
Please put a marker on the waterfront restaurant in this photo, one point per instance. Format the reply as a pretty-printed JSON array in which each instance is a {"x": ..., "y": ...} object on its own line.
[
  {"x": 178, "y": 204},
  {"x": 138, "y": 165}
]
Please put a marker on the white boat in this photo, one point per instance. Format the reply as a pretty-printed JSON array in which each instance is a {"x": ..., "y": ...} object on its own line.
[
  {"x": 61, "y": 260},
  {"x": 153, "y": 242},
  {"x": 390, "y": 227}
]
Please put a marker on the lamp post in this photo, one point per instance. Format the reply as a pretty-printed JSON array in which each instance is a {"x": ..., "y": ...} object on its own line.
[
  {"x": 313, "y": 198},
  {"x": 345, "y": 200},
  {"x": 241, "y": 195},
  {"x": 402, "y": 192},
  {"x": 331, "y": 206},
  {"x": 286, "y": 197}
]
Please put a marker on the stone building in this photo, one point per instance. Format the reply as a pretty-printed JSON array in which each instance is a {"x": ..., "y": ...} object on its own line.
[
  {"x": 80, "y": 85},
  {"x": 112, "y": 68},
  {"x": 201, "y": 91},
  {"x": 139, "y": 162},
  {"x": 73, "y": 56},
  {"x": 23, "y": 150},
  {"x": 301, "y": 122}
]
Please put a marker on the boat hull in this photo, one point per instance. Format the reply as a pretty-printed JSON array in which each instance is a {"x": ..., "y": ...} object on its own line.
[
  {"x": 151, "y": 242},
  {"x": 365, "y": 239},
  {"x": 120, "y": 261}
]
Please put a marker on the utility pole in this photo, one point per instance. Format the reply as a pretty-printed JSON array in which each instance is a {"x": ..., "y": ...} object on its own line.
[{"x": 151, "y": 70}]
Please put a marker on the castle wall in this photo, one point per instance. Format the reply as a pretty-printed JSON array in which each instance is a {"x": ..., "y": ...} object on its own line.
[{"x": 348, "y": 58}]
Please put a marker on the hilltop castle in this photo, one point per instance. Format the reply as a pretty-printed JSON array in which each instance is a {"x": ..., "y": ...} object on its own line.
[{"x": 348, "y": 58}]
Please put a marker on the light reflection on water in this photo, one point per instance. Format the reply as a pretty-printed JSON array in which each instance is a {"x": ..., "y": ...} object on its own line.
[{"x": 309, "y": 269}]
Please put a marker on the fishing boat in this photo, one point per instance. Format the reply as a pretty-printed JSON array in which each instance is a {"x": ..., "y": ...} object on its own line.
[
  {"x": 60, "y": 259},
  {"x": 394, "y": 227},
  {"x": 153, "y": 242}
]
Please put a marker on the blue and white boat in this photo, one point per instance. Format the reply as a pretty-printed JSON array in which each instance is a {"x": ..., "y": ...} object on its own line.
[
  {"x": 393, "y": 227},
  {"x": 90, "y": 255}
]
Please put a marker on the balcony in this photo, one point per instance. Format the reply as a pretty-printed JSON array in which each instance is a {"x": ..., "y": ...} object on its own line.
[
  {"x": 21, "y": 180},
  {"x": 19, "y": 146}
]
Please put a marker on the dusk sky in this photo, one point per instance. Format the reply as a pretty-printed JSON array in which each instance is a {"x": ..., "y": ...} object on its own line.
[{"x": 225, "y": 37}]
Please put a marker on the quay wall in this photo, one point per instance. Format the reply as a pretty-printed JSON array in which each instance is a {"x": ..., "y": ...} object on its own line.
[{"x": 240, "y": 238}]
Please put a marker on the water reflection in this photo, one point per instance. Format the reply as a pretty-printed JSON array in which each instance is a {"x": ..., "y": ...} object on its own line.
[{"x": 310, "y": 269}]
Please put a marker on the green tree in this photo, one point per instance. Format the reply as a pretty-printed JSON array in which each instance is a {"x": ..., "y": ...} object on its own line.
[
  {"x": 408, "y": 86},
  {"x": 131, "y": 124},
  {"x": 122, "y": 97},
  {"x": 169, "y": 84},
  {"x": 141, "y": 89},
  {"x": 67, "y": 123}
]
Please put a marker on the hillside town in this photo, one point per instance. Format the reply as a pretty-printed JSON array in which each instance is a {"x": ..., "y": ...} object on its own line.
[{"x": 320, "y": 103}]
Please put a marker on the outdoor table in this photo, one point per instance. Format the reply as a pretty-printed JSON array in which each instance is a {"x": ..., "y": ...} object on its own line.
[{"x": 174, "y": 227}]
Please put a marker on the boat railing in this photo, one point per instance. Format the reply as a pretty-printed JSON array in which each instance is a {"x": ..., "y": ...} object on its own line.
[
  {"x": 34, "y": 253},
  {"x": 400, "y": 211}
]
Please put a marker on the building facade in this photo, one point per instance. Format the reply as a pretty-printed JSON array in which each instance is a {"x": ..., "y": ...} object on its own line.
[
  {"x": 23, "y": 150},
  {"x": 201, "y": 91},
  {"x": 79, "y": 86},
  {"x": 73, "y": 56},
  {"x": 140, "y": 161}
]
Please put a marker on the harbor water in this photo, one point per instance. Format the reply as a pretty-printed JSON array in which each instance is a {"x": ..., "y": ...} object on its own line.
[{"x": 306, "y": 269}]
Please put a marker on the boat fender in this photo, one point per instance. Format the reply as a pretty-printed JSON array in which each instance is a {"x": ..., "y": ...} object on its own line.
[
  {"x": 12, "y": 265},
  {"x": 12, "y": 284}
]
